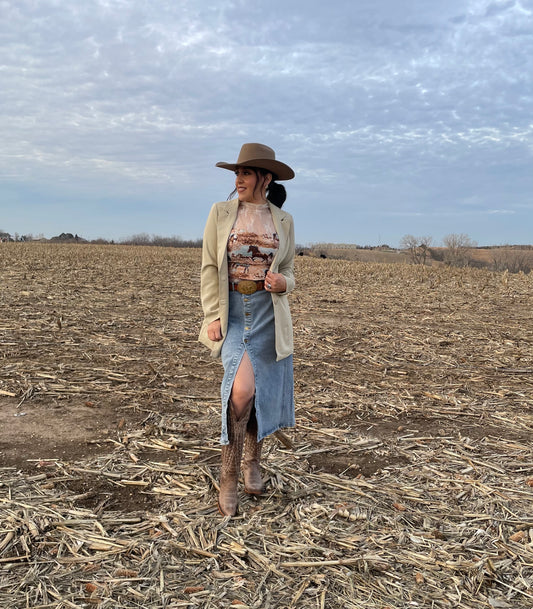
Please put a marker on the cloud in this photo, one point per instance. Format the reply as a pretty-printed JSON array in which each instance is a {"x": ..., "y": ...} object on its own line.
[{"x": 424, "y": 102}]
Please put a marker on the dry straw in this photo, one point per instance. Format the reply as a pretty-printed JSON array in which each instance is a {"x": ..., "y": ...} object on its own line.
[{"x": 407, "y": 482}]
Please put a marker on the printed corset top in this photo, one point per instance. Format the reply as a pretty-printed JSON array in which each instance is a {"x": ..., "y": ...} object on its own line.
[{"x": 252, "y": 243}]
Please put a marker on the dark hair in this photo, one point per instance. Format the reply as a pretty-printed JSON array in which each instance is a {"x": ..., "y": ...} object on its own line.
[{"x": 275, "y": 192}]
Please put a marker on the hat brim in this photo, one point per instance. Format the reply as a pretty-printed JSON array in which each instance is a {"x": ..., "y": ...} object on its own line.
[{"x": 279, "y": 169}]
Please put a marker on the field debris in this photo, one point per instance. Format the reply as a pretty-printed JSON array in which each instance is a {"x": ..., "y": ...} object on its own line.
[{"x": 408, "y": 481}]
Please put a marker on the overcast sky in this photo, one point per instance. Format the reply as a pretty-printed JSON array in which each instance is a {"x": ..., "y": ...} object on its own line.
[{"x": 398, "y": 116}]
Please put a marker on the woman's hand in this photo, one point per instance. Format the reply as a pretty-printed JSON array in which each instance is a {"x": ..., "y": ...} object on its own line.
[
  {"x": 275, "y": 282},
  {"x": 214, "y": 331}
]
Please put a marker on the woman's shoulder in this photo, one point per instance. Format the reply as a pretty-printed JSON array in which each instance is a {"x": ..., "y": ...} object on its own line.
[
  {"x": 281, "y": 213},
  {"x": 221, "y": 206},
  {"x": 229, "y": 203}
]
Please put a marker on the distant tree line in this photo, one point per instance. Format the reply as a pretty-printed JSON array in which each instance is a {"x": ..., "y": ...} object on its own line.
[
  {"x": 139, "y": 239},
  {"x": 157, "y": 240},
  {"x": 6, "y": 237},
  {"x": 458, "y": 250}
]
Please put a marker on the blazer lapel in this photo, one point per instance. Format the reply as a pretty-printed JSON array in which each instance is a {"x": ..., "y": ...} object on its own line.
[
  {"x": 226, "y": 221},
  {"x": 281, "y": 227}
]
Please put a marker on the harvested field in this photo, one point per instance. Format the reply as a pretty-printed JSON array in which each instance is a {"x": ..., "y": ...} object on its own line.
[{"x": 408, "y": 481}]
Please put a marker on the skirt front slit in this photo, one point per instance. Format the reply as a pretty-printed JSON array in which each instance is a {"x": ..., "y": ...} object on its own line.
[{"x": 251, "y": 329}]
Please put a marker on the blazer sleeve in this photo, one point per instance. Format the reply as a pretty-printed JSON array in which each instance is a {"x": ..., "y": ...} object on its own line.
[
  {"x": 209, "y": 276},
  {"x": 286, "y": 265}
]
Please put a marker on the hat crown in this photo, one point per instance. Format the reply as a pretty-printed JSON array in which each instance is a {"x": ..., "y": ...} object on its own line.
[
  {"x": 262, "y": 157},
  {"x": 253, "y": 152}
]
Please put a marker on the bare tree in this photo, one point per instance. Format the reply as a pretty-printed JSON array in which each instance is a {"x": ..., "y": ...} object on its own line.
[
  {"x": 138, "y": 239},
  {"x": 157, "y": 240},
  {"x": 458, "y": 246},
  {"x": 511, "y": 259},
  {"x": 418, "y": 247}
]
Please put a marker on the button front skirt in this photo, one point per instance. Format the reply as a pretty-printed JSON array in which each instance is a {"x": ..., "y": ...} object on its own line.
[{"x": 251, "y": 329}]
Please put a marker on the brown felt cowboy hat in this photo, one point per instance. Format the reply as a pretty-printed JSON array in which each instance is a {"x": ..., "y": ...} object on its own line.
[{"x": 259, "y": 155}]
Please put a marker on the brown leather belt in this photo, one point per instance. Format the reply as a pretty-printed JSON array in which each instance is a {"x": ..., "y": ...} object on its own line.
[{"x": 247, "y": 286}]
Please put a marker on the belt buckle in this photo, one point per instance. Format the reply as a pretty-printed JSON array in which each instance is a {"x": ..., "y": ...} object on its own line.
[{"x": 247, "y": 287}]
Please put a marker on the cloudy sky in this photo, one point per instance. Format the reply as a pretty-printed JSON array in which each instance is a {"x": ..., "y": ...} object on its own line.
[{"x": 398, "y": 116}]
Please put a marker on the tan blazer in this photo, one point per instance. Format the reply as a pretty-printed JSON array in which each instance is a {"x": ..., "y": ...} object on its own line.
[{"x": 214, "y": 275}]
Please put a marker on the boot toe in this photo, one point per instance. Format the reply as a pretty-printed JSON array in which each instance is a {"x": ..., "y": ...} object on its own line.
[
  {"x": 227, "y": 509},
  {"x": 253, "y": 483}
]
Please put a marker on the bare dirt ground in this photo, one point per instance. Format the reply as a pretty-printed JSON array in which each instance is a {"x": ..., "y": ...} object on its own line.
[{"x": 408, "y": 482}]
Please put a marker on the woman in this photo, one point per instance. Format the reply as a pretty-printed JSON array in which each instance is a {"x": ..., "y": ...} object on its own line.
[{"x": 247, "y": 272}]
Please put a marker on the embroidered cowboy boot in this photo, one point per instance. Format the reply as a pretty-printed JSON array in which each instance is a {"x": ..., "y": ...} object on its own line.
[
  {"x": 253, "y": 483},
  {"x": 228, "y": 498}
]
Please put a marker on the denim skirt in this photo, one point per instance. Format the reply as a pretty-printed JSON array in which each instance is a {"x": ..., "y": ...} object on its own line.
[{"x": 251, "y": 329}]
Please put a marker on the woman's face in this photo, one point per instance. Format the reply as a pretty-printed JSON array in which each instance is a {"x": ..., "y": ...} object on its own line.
[{"x": 249, "y": 185}]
